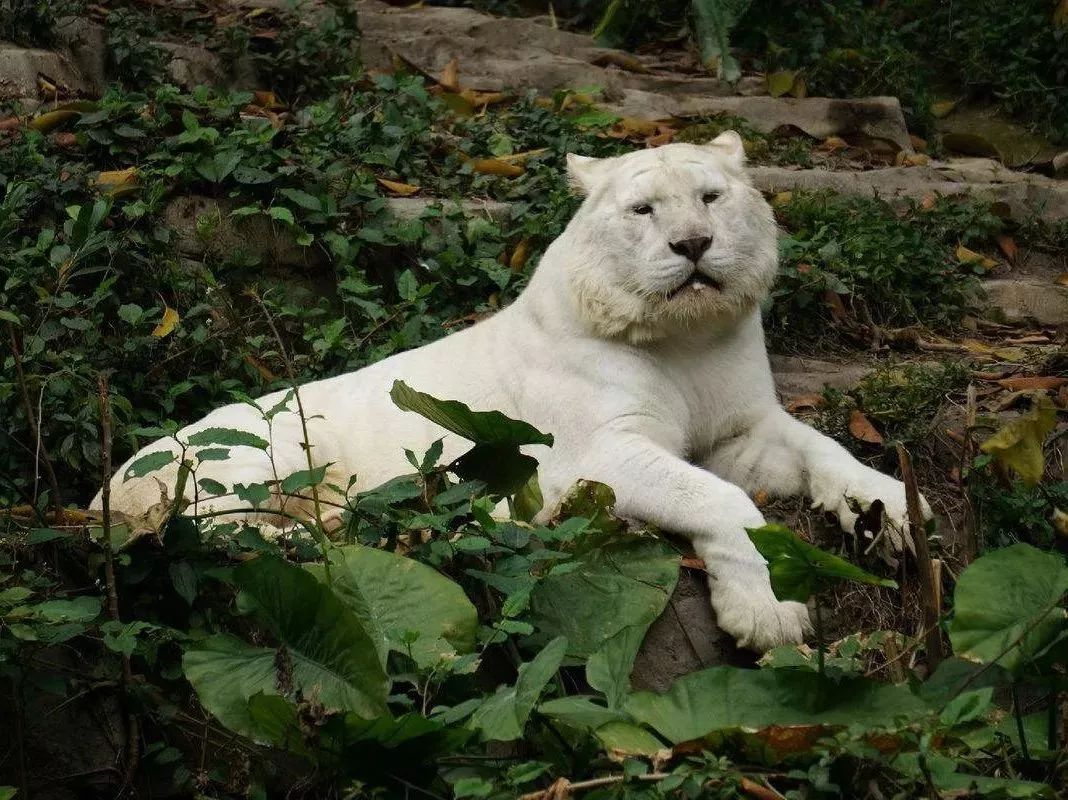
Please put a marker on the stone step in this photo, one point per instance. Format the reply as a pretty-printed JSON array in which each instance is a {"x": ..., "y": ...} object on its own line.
[
  {"x": 1025, "y": 196},
  {"x": 1017, "y": 300},
  {"x": 25, "y": 71}
]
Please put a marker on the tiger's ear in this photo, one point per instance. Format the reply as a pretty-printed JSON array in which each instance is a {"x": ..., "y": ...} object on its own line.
[
  {"x": 582, "y": 172},
  {"x": 730, "y": 144}
]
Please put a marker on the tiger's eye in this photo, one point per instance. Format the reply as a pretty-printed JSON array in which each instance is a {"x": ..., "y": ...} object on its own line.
[
  {"x": 709, "y": 197},
  {"x": 643, "y": 209}
]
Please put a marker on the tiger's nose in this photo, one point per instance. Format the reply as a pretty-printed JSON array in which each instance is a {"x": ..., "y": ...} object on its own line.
[{"x": 693, "y": 249}]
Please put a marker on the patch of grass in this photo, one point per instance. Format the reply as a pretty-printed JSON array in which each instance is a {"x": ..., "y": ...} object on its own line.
[
  {"x": 33, "y": 23},
  {"x": 903, "y": 401},
  {"x": 760, "y": 148},
  {"x": 894, "y": 266},
  {"x": 1015, "y": 513}
]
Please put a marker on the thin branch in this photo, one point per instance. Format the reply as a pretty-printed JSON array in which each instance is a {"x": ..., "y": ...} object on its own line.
[
  {"x": 133, "y": 735},
  {"x": 31, "y": 419}
]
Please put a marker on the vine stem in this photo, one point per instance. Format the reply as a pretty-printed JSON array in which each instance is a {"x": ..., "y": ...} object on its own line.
[
  {"x": 31, "y": 419},
  {"x": 132, "y": 726},
  {"x": 320, "y": 532}
]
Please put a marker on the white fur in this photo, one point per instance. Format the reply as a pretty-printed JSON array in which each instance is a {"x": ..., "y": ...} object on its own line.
[{"x": 668, "y": 400}]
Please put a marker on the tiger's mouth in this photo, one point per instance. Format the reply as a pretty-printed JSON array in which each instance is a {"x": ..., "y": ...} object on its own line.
[{"x": 697, "y": 282}]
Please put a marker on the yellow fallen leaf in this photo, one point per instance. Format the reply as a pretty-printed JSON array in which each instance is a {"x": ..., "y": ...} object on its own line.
[
  {"x": 781, "y": 199},
  {"x": 1060, "y": 14},
  {"x": 450, "y": 76},
  {"x": 268, "y": 100},
  {"x": 942, "y": 108},
  {"x": 904, "y": 159},
  {"x": 476, "y": 98},
  {"x": 636, "y": 126},
  {"x": 780, "y": 83},
  {"x": 1018, "y": 444},
  {"x": 403, "y": 189},
  {"x": 800, "y": 88},
  {"x": 117, "y": 183},
  {"x": 1062, "y": 279},
  {"x": 167, "y": 324},
  {"x": 50, "y": 120},
  {"x": 521, "y": 158},
  {"x": 520, "y": 255},
  {"x": 496, "y": 166},
  {"x": 972, "y": 258}
]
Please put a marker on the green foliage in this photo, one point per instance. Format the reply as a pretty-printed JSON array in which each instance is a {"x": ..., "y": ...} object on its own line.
[
  {"x": 33, "y": 23},
  {"x": 798, "y": 568},
  {"x": 899, "y": 267},
  {"x": 134, "y": 59},
  {"x": 1015, "y": 513},
  {"x": 1009, "y": 607}
]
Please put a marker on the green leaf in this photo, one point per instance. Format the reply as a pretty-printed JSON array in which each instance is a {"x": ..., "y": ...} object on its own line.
[
  {"x": 503, "y": 715},
  {"x": 1018, "y": 444},
  {"x": 226, "y": 672},
  {"x": 303, "y": 199},
  {"x": 713, "y": 22},
  {"x": 502, "y": 468},
  {"x": 303, "y": 479},
  {"x": 81, "y": 609},
  {"x": 213, "y": 454},
  {"x": 967, "y": 706},
  {"x": 797, "y": 568},
  {"x": 332, "y": 652},
  {"x": 227, "y": 437},
  {"x": 619, "y": 582},
  {"x": 727, "y": 697},
  {"x": 392, "y": 593},
  {"x": 608, "y": 669},
  {"x": 1007, "y": 606},
  {"x": 255, "y": 494},
  {"x": 150, "y": 462},
  {"x": 480, "y": 427},
  {"x": 184, "y": 578},
  {"x": 212, "y": 487},
  {"x": 8, "y": 792},
  {"x": 282, "y": 214},
  {"x": 621, "y": 738},
  {"x": 580, "y": 712}
]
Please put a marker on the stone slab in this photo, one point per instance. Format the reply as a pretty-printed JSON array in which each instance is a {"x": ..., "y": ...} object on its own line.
[
  {"x": 1023, "y": 300},
  {"x": 1025, "y": 195},
  {"x": 685, "y": 639},
  {"x": 21, "y": 69}
]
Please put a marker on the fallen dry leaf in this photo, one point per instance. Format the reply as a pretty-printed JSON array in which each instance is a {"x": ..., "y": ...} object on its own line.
[
  {"x": 1060, "y": 522},
  {"x": 450, "y": 76},
  {"x": 860, "y": 427},
  {"x": 402, "y": 189},
  {"x": 903, "y": 159},
  {"x": 832, "y": 143},
  {"x": 781, "y": 199},
  {"x": 918, "y": 144},
  {"x": 167, "y": 324},
  {"x": 616, "y": 58},
  {"x": 482, "y": 99},
  {"x": 1033, "y": 383},
  {"x": 65, "y": 139},
  {"x": 264, "y": 371},
  {"x": 835, "y": 304},
  {"x": 50, "y": 120},
  {"x": 972, "y": 258},
  {"x": 943, "y": 108},
  {"x": 780, "y": 83},
  {"x": 1007, "y": 245},
  {"x": 496, "y": 166},
  {"x": 928, "y": 202},
  {"x": 761, "y": 498},
  {"x": 804, "y": 401},
  {"x": 117, "y": 183},
  {"x": 664, "y": 137},
  {"x": 1062, "y": 279},
  {"x": 520, "y": 255},
  {"x": 693, "y": 562}
]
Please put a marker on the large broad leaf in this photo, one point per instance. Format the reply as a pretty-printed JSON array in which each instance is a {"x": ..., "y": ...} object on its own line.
[
  {"x": 714, "y": 20},
  {"x": 480, "y": 427},
  {"x": 613, "y": 584},
  {"x": 332, "y": 655},
  {"x": 226, "y": 672},
  {"x": 392, "y": 594},
  {"x": 1018, "y": 445},
  {"x": 502, "y": 716},
  {"x": 797, "y": 567},
  {"x": 727, "y": 698},
  {"x": 608, "y": 669},
  {"x": 1007, "y": 606},
  {"x": 502, "y": 468}
]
